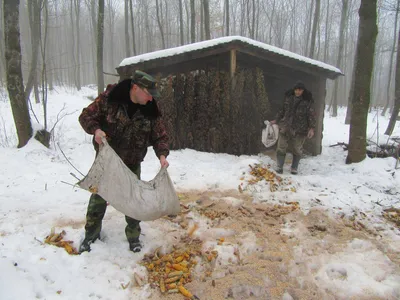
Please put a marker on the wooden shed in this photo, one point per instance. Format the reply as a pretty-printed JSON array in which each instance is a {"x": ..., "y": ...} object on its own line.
[{"x": 256, "y": 75}]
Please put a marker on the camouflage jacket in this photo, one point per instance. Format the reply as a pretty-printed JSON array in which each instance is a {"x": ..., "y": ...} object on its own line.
[
  {"x": 128, "y": 136},
  {"x": 297, "y": 114}
]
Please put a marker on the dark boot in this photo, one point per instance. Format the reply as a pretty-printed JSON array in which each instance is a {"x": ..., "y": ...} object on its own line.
[
  {"x": 280, "y": 160},
  {"x": 95, "y": 213},
  {"x": 295, "y": 164},
  {"x": 85, "y": 246},
  {"x": 135, "y": 245},
  {"x": 132, "y": 231}
]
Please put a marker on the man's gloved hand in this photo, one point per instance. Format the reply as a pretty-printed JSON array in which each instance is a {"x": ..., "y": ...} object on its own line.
[
  {"x": 98, "y": 134},
  {"x": 164, "y": 162},
  {"x": 310, "y": 133}
]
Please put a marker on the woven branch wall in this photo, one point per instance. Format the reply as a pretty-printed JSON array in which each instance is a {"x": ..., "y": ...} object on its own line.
[{"x": 203, "y": 112}]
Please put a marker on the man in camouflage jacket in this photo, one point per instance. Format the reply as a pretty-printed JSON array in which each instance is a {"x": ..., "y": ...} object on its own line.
[
  {"x": 127, "y": 115},
  {"x": 296, "y": 121}
]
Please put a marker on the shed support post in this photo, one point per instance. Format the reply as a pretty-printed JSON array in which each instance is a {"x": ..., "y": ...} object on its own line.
[{"x": 232, "y": 66}]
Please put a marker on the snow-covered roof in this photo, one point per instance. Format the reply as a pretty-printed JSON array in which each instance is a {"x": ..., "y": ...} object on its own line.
[{"x": 224, "y": 40}]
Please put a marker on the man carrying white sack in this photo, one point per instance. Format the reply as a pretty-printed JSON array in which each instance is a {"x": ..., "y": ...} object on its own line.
[
  {"x": 296, "y": 122},
  {"x": 128, "y": 116}
]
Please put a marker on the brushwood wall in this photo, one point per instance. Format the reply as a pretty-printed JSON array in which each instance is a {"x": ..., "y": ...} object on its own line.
[{"x": 208, "y": 110}]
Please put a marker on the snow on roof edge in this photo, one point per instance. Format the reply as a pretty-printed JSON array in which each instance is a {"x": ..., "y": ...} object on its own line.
[{"x": 214, "y": 42}]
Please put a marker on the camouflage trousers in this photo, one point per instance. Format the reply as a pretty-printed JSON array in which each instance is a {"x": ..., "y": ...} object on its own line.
[
  {"x": 296, "y": 144},
  {"x": 95, "y": 213}
]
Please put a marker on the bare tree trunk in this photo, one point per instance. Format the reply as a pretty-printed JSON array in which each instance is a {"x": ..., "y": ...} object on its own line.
[
  {"x": 133, "y": 28},
  {"x": 308, "y": 29},
  {"x": 15, "y": 85},
  {"x": 257, "y": 20},
  {"x": 111, "y": 49},
  {"x": 395, "y": 112},
  {"x": 206, "y": 6},
  {"x": 34, "y": 11},
  {"x": 253, "y": 21},
  {"x": 201, "y": 20},
  {"x": 126, "y": 19},
  {"x": 248, "y": 18},
  {"x": 314, "y": 29},
  {"x": 317, "y": 55},
  {"x": 148, "y": 30},
  {"x": 72, "y": 70},
  {"x": 100, "y": 36},
  {"x": 187, "y": 21},
  {"x": 343, "y": 28},
  {"x": 94, "y": 18},
  {"x": 78, "y": 45},
  {"x": 293, "y": 26},
  {"x": 391, "y": 61},
  {"x": 160, "y": 25},
  {"x": 326, "y": 33},
  {"x": 167, "y": 32},
  {"x": 192, "y": 22},
  {"x": 242, "y": 21},
  {"x": 227, "y": 17},
  {"x": 2, "y": 50},
  {"x": 44, "y": 71},
  {"x": 181, "y": 29},
  {"x": 367, "y": 32}
]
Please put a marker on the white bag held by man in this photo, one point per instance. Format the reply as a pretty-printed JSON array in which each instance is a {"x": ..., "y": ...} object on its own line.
[
  {"x": 270, "y": 134},
  {"x": 116, "y": 183}
]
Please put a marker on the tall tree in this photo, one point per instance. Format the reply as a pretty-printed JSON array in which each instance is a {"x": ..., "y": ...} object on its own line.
[
  {"x": 308, "y": 28},
  {"x": 395, "y": 112},
  {"x": 181, "y": 30},
  {"x": 112, "y": 9},
  {"x": 342, "y": 29},
  {"x": 160, "y": 26},
  {"x": 44, "y": 135},
  {"x": 251, "y": 17},
  {"x": 326, "y": 33},
  {"x": 227, "y": 17},
  {"x": 2, "y": 59},
  {"x": 207, "y": 19},
  {"x": 293, "y": 26},
  {"x": 392, "y": 50},
  {"x": 314, "y": 28},
  {"x": 192, "y": 22},
  {"x": 187, "y": 21},
  {"x": 34, "y": 13},
  {"x": 77, "y": 7},
  {"x": 100, "y": 36},
  {"x": 126, "y": 23},
  {"x": 201, "y": 20},
  {"x": 133, "y": 27},
  {"x": 168, "y": 24},
  {"x": 367, "y": 32},
  {"x": 72, "y": 43},
  {"x": 15, "y": 85}
]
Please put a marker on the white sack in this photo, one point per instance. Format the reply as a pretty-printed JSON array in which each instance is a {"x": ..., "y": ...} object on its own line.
[
  {"x": 116, "y": 183},
  {"x": 270, "y": 134}
]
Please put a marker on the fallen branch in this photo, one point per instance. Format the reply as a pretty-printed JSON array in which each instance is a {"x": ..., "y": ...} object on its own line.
[
  {"x": 68, "y": 160},
  {"x": 344, "y": 145}
]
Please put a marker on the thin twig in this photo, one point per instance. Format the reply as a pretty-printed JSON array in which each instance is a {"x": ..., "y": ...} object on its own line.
[
  {"x": 30, "y": 104},
  {"x": 68, "y": 160},
  {"x": 60, "y": 118},
  {"x": 74, "y": 185},
  {"x": 76, "y": 177},
  {"x": 39, "y": 241},
  {"x": 116, "y": 75}
]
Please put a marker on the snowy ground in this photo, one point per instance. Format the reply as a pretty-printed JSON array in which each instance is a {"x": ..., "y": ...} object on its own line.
[{"x": 34, "y": 199}]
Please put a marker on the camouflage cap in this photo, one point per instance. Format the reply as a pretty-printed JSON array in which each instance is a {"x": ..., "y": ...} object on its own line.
[
  {"x": 147, "y": 81},
  {"x": 299, "y": 85}
]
